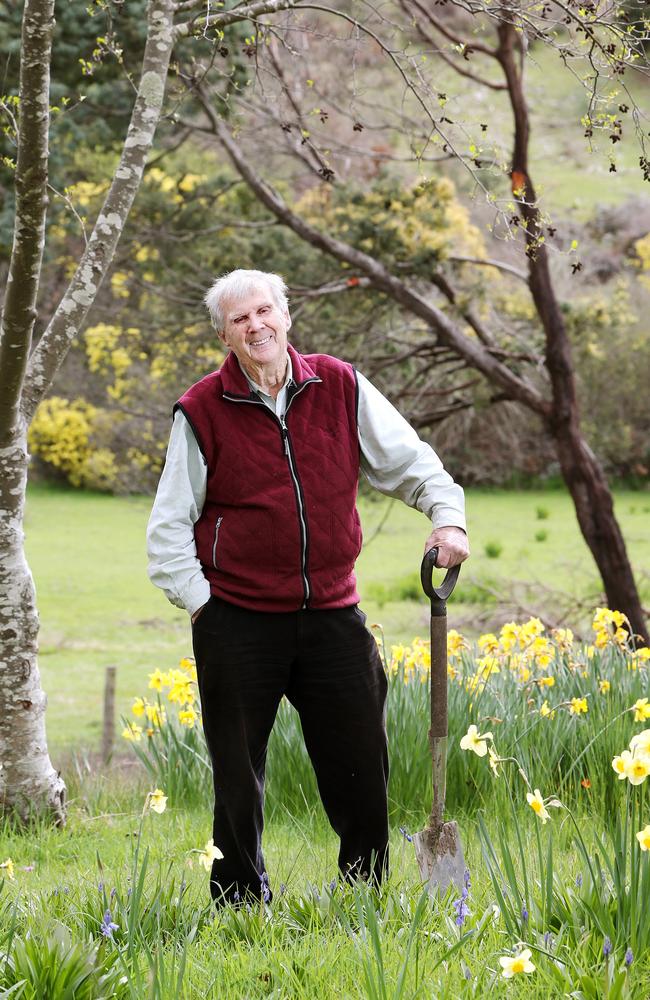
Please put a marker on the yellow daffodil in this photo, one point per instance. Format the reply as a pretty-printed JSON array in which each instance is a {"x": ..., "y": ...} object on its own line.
[
  {"x": 187, "y": 717},
  {"x": 455, "y": 643},
  {"x": 536, "y": 803},
  {"x": 563, "y": 637},
  {"x": 494, "y": 760},
  {"x": 138, "y": 707},
  {"x": 641, "y": 710},
  {"x": 155, "y": 714},
  {"x": 643, "y": 836},
  {"x": 133, "y": 732},
  {"x": 578, "y": 705},
  {"x": 547, "y": 682},
  {"x": 473, "y": 741},
  {"x": 509, "y": 636},
  {"x": 641, "y": 743},
  {"x": 620, "y": 764},
  {"x": 157, "y": 680},
  {"x": 157, "y": 800},
  {"x": 604, "y": 686},
  {"x": 488, "y": 644},
  {"x": 209, "y": 854},
  {"x": 187, "y": 664},
  {"x": 8, "y": 867},
  {"x": 546, "y": 712},
  {"x": 520, "y": 963}
]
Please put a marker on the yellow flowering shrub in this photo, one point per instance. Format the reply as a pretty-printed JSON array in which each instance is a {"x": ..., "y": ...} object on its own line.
[{"x": 61, "y": 435}]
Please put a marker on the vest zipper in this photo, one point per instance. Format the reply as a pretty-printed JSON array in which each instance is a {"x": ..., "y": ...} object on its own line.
[
  {"x": 214, "y": 544},
  {"x": 294, "y": 476}
]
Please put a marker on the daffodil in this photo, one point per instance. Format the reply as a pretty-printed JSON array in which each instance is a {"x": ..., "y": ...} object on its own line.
[
  {"x": 157, "y": 800},
  {"x": 547, "y": 682},
  {"x": 132, "y": 732},
  {"x": 604, "y": 686},
  {"x": 8, "y": 867},
  {"x": 563, "y": 637},
  {"x": 643, "y": 836},
  {"x": 641, "y": 742},
  {"x": 638, "y": 770},
  {"x": 187, "y": 664},
  {"x": 209, "y": 854},
  {"x": 641, "y": 710},
  {"x": 536, "y": 803},
  {"x": 578, "y": 705},
  {"x": 155, "y": 714},
  {"x": 488, "y": 644},
  {"x": 455, "y": 643},
  {"x": 494, "y": 760},
  {"x": 546, "y": 712},
  {"x": 520, "y": 963},
  {"x": 157, "y": 680},
  {"x": 187, "y": 717},
  {"x": 138, "y": 707},
  {"x": 620, "y": 764},
  {"x": 473, "y": 741}
]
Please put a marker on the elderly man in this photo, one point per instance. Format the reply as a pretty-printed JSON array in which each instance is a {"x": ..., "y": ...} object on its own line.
[{"x": 255, "y": 532}]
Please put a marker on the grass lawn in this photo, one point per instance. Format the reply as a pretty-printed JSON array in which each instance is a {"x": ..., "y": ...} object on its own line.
[{"x": 97, "y": 607}]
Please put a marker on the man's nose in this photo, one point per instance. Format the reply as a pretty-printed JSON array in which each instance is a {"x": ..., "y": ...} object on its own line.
[{"x": 256, "y": 323}]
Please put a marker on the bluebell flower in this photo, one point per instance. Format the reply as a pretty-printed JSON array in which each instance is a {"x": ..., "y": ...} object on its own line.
[
  {"x": 524, "y": 916},
  {"x": 607, "y": 947},
  {"x": 548, "y": 940},
  {"x": 107, "y": 926},
  {"x": 235, "y": 896},
  {"x": 333, "y": 885},
  {"x": 629, "y": 958},
  {"x": 113, "y": 892},
  {"x": 462, "y": 910},
  {"x": 100, "y": 887},
  {"x": 406, "y": 834},
  {"x": 579, "y": 879},
  {"x": 283, "y": 888},
  {"x": 264, "y": 883},
  {"x": 466, "y": 880}
]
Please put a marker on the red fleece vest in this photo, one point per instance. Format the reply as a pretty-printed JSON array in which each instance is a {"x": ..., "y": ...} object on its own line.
[{"x": 279, "y": 528}]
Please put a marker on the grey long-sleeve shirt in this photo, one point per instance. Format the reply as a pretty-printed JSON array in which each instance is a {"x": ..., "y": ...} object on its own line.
[{"x": 393, "y": 458}]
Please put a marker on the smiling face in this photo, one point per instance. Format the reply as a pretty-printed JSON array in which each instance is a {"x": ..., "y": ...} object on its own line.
[{"x": 255, "y": 329}]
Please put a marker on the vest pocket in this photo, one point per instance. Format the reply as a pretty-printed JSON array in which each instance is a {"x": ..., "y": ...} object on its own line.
[{"x": 216, "y": 539}]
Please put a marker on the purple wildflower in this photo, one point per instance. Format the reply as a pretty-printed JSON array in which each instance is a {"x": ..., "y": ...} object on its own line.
[
  {"x": 462, "y": 910},
  {"x": 579, "y": 880},
  {"x": 406, "y": 834},
  {"x": 524, "y": 916},
  {"x": 113, "y": 892},
  {"x": 107, "y": 926},
  {"x": 629, "y": 958},
  {"x": 548, "y": 940},
  {"x": 283, "y": 888},
  {"x": 264, "y": 883},
  {"x": 466, "y": 880},
  {"x": 100, "y": 887},
  {"x": 235, "y": 897},
  {"x": 333, "y": 885},
  {"x": 607, "y": 947}
]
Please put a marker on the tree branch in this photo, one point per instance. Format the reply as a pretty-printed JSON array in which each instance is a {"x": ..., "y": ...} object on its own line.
[
  {"x": 447, "y": 332},
  {"x": 19, "y": 312}
]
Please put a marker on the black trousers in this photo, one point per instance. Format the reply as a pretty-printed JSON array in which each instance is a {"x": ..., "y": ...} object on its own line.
[{"x": 327, "y": 665}]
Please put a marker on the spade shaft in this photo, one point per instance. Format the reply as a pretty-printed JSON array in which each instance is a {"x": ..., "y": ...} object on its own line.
[{"x": 438, "y": 848}]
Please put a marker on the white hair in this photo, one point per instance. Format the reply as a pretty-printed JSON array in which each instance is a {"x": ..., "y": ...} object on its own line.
[{"x": 237, "y": 284}]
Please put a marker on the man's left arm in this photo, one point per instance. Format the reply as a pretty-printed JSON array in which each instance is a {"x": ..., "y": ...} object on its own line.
[{"x": 398, "y": 463}]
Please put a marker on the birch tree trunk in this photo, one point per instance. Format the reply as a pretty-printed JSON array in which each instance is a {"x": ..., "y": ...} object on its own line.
[
  {"x": 27, "y": 779},
  {"x": 28, "y": 782}
]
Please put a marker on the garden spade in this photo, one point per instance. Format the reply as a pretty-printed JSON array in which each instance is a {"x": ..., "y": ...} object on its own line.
[{"x": 438, "y": 847}]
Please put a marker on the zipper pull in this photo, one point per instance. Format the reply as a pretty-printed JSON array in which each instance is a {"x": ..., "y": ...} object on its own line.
[{"x": 285, "y": 436}]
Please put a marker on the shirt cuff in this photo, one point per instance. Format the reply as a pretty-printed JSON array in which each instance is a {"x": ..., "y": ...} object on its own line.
[{"x": 196, "y": 596}]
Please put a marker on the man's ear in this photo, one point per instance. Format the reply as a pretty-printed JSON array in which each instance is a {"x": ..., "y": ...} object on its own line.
[
  {"x": 288, "y": 317},
  {"x": 221, "y": 334}
]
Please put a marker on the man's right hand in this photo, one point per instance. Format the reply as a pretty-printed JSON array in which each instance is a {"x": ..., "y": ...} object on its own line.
[{"x": 198, "y": 612}]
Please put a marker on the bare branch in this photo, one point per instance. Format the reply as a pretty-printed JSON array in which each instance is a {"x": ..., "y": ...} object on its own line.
[{"x": 448, "y": 333}]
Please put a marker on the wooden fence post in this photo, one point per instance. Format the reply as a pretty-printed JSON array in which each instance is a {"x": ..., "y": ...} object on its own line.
[{"x": 108, "y": 728}]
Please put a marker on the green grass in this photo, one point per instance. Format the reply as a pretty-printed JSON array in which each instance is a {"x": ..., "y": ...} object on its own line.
[{"x": 97, "y": 607}]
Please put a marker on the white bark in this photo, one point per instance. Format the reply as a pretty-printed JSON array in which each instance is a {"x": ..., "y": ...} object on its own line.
[{"x": 28, "y": 782}]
